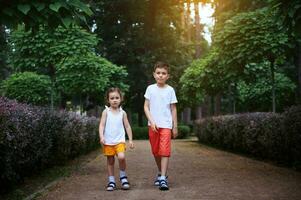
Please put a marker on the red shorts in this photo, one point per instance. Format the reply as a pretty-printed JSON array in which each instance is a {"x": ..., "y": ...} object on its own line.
[{"x": 160, "y": 141}]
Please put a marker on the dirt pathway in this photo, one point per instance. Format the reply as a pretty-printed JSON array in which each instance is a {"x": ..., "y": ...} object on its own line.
[{"x": 195, "y": 172}]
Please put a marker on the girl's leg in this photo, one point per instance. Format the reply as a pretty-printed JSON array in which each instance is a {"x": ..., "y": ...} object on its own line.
[
  {"x": 121, "y": 160},
  {"x": 110, "y": 165},
  {"x": 122, "y": 166}
]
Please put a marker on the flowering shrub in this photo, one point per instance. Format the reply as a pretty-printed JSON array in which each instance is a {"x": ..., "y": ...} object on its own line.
[
  {"x": 263, "y": 135},
  {"x": 32, "y": 138}
]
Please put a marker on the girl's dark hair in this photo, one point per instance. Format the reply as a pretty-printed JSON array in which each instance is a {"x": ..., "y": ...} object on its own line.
[
  {"x": 161, "y": 64},
  {"x": 110, "y": 90}
]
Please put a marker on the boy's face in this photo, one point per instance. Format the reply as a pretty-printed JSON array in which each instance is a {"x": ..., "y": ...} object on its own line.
[{"x": 161, "y": 75}]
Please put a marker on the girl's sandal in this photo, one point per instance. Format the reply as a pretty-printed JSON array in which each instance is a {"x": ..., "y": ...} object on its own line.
[
  {"x": 125, "y": 185},
  {"x": 111, "y": 186}
]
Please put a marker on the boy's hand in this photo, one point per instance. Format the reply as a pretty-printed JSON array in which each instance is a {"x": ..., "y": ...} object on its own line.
[
  {"x": 154, "y": 128},
  {"x": 132, "y": 146},
  {"x": 102, "y": 141},
  {"x": 174, "y": 132}
]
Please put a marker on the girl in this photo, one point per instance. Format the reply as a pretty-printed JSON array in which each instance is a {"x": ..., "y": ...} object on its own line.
[{"x": 112, "y": 135}]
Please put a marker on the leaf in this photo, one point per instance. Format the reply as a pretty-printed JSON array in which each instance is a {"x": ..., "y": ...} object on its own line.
[
  {"x": 24, "y": 8},
  {"x": 39, "y": 6},
  {"x": 82, "y": 6},
  {"x": 55, "y": 6},
  {"x": 67, "y": 21}
]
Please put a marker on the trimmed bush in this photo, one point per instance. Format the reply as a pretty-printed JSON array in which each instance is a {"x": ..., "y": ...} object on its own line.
[
  {"x": 263, "y": 135},
  {"x": 32, "y": 138},
  {"x": 28, "y": 87},
  {"x": 292, "y": 128}
]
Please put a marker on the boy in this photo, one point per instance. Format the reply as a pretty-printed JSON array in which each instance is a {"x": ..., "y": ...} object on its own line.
[{"x": 161, "y": 112}]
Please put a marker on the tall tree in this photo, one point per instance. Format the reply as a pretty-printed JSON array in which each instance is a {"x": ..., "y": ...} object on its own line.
[{"x": 138, "y": 33}]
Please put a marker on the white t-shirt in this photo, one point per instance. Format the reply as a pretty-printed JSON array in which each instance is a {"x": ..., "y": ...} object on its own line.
[
  {"x": 159, "y": 104},
  {"x": 114, "y": 130}
]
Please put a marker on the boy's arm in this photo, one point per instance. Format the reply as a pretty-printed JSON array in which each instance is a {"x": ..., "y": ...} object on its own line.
[
  {"x": 128, "y": 129},
  {"x": 102, "y": 124},
  {"x": 174, "y": 120},
  {"x": 148, "y": 115}
]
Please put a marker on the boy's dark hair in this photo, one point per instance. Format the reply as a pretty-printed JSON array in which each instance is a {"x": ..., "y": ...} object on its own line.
[
  {"x": 110, "y": 90},
  {"x": 161, "y": 64}
]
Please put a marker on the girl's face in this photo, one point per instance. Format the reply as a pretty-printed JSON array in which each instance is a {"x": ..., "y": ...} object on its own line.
[{"x": 114, "y": 99}]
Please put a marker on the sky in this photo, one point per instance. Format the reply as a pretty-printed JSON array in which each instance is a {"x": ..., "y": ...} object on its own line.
[{"x": 206, "y": 12}]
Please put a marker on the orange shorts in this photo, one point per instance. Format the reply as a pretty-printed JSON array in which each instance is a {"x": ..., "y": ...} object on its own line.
[
  {"x": 160, "y": 141},
  {"x": 112, "y": 150}
]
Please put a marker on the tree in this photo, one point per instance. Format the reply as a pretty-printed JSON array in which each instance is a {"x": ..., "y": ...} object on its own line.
[
  {"x": 59, "y": 52},
  {"x": 252, "y": 37},
  {"x": 87, "y": 76},
  {"x": 136, "y": 34}
]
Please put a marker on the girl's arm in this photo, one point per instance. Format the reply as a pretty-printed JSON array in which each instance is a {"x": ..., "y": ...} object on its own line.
[
  {"x": 128, "y": 129},
  {"x": 148, "y": 115},
  {"x": 174, "y": 120},
  {"x": 102, "y": 124}
]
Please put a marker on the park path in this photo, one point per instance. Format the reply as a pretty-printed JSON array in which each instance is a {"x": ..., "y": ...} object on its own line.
[{"x": 195, "y": 172}]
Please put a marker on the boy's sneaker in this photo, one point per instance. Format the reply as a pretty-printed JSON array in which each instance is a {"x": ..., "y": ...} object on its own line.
[
  {"x": 125, "y": 185},
  {"x": 157, "y": 181},
  {"x": 163, "y": 185},
  {"x": 111, "y": 186}
]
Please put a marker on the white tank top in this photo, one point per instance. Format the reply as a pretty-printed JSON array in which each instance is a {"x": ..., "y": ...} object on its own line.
[{"x": 114, "y": 130}]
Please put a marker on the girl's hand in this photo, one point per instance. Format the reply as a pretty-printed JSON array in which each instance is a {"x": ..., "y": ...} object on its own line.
[
  {"x": 154, "y": 128},
  {"x": 131, "y": 144},
  {"x": 174, "y": 132},
  {"x": 102, "y": 141}
]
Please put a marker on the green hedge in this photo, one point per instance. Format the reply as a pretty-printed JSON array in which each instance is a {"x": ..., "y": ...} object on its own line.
[
  {"x": 141, "y": 133},
  {"x": 263, "y": 135},
  {"x": 33, "y": 138}
]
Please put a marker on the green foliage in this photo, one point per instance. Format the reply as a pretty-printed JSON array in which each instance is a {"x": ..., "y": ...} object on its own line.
[
  {"x": 51, "y": 13},
  {"x": 251, "y": 37},
  {"x": 87, "y": 75},
  {"x": 204, "y": 76},
  {"x": 255, "y": 95},
  {"x": 43, "y": 50},
  {"x": 67, "y": 56},
  {"x": 28, "y": 87}
]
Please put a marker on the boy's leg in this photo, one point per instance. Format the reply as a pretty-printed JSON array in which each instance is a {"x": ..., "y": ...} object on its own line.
[
  {"x": 158, "y": 162},
  {"x": 164, "y": 165},
  {"x": 164, "y": 152}
]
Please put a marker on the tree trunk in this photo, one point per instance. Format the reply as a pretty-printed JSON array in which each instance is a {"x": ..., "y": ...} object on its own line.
[
  {"x": 273, "y": 86},
  {"x": 140, "y": 111},
  {"x": 217, "y": 105},
  {"x": 188, "y": 29},
  {"x": 298, "y": 67},
  {"x": 197, "y": 30},
  {"x": 205, "y": 106},
  {"x": 186, "y": 115},
  {"x": 198, "y": 112}
]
